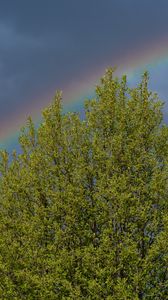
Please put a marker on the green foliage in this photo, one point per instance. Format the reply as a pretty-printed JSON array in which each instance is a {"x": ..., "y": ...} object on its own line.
[{"x": 84, "y": 207}]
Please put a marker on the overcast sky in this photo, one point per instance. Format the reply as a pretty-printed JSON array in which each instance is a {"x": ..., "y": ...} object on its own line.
[{"x": 44, "y": 45}]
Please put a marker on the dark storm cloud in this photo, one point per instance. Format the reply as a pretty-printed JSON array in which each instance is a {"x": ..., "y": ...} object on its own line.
[{"x": 43, "y": 44}]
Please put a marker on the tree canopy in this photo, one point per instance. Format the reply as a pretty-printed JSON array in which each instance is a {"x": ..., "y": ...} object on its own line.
[{"x": 84, "y": 207}]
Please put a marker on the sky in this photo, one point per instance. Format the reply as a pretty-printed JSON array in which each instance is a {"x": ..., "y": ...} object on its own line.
[{"x": 67, "y": 45}]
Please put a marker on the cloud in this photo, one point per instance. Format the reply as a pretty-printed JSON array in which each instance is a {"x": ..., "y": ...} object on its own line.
[{"x": 45, "y": 45}]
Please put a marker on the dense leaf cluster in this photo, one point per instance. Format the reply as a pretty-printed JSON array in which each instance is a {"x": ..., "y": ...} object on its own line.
[{"x": 84, "y": 207}]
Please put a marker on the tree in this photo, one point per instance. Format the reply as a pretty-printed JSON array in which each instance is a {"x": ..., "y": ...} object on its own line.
[{"x": 84, "y": 206}]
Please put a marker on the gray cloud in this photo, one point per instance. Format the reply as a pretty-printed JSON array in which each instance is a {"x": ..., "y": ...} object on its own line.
[{"x": 46, "y": 44}]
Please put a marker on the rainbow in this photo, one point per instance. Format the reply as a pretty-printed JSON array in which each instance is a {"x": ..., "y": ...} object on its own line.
[{"x": 149, "y": 57}]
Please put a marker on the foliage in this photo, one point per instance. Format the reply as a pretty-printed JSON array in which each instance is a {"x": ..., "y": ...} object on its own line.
[{"x": 84, "y": 207}]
